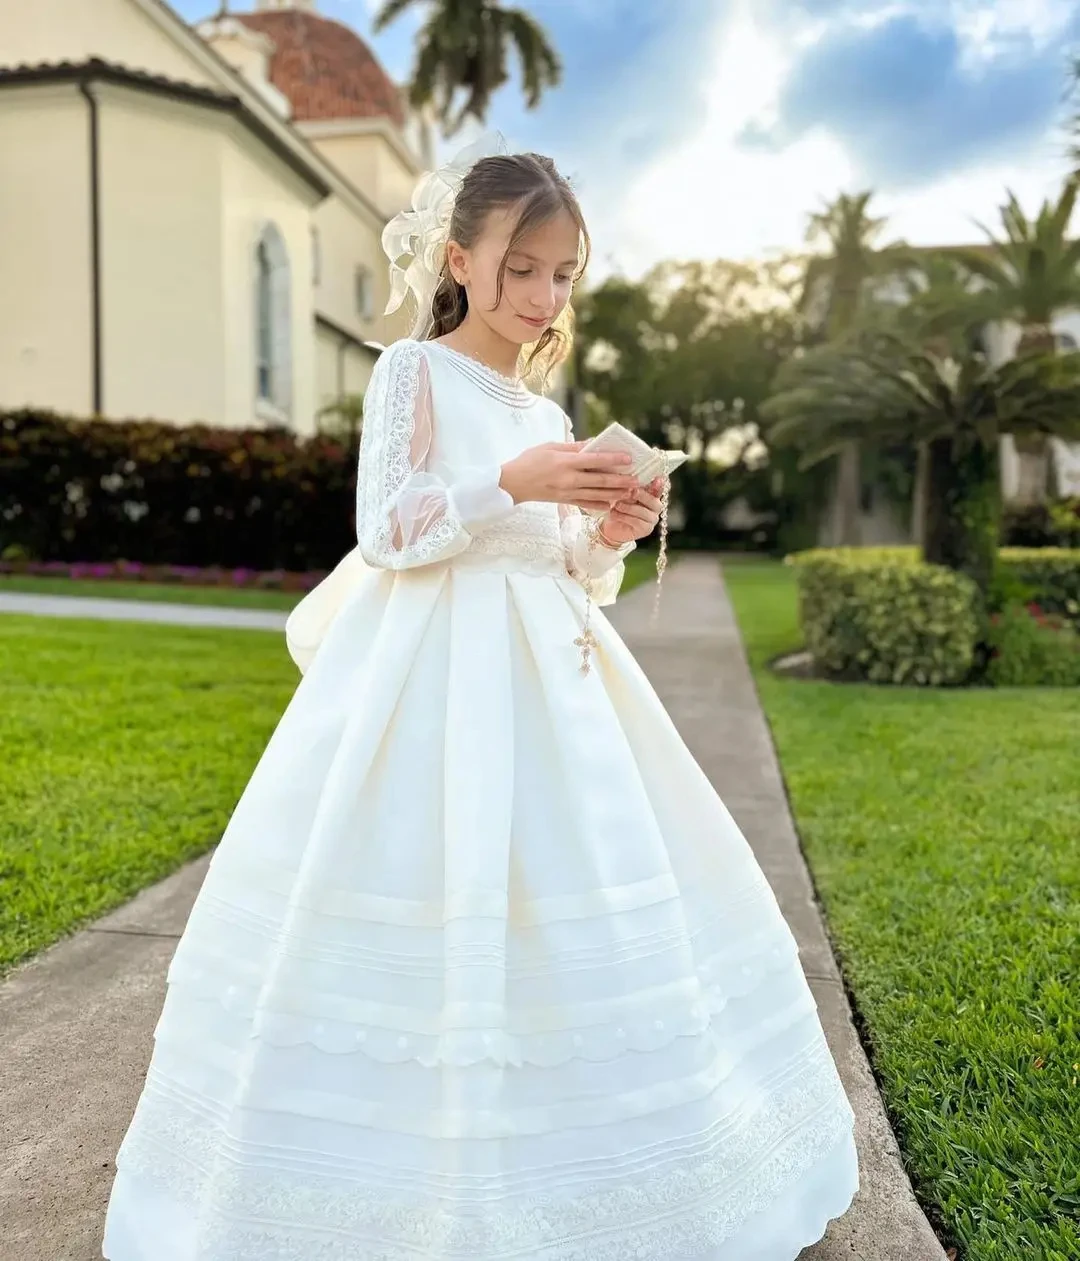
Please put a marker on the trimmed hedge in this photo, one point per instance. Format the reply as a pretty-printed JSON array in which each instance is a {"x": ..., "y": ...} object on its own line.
[
  {"x": 136, "y": 490},
  {"x": 882, "y": 615}
]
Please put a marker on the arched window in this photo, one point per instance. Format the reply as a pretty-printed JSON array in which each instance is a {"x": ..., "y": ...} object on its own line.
[{"x": 273, "y": 323}]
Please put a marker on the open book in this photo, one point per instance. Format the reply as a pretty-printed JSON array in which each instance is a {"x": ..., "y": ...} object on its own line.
[{"x": 649, "y": 462}]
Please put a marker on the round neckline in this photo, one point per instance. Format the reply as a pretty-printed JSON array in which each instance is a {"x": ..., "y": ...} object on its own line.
[{"x": 517, "y": 383}]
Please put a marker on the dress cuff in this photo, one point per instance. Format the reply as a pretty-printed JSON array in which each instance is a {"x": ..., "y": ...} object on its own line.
[
  {"x": 598, "y": 560},
  {"x": 476, "y": 498}
]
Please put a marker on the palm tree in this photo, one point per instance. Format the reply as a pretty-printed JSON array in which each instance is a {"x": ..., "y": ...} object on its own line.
[
  {"x": 940, "y": 301},
  {"x": 464, "y": 46},
  {"x": 851, "y": 235},
  {"x": 883, "y": 385},
  {"x": 1031, "y": 272},
  {"x": 943, "y": 314}
]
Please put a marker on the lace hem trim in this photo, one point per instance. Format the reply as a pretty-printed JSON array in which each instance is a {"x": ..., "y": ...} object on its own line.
[
  {"x": 373, "y": 1035},
  {"x": 693, "y": 1197}
]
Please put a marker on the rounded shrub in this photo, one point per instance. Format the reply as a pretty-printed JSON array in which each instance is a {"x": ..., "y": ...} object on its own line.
[{"x": 881, "y": 615}]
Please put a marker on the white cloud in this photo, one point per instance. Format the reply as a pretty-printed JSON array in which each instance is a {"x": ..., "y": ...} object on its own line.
[
  {"x": 710, "y": 197},
  {"x": 984, "y": 26},
  {"x": 950, "y": 212}
]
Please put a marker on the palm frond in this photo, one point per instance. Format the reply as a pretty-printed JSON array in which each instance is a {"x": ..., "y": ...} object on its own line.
[
  {"x": 462, "y": 54},
  {"x": 541, "y": 66},
  {"x": 882, "y": 386},
  {"x": 389, "y": 12}
]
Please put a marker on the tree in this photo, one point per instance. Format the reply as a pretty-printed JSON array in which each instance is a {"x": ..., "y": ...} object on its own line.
[
  {"x": 940, "y": 302},
  {"x": 464, "y": 46},
  {"x": 1031, "y": 272},
  {"x": 685, "y": 357},
  {"x": 884, "y": 385},
  {"x": 852, "y": 262},
  {"x": 343, "y": 419}
]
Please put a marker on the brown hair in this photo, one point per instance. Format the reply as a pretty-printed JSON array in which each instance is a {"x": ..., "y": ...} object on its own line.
[{"x": 532, "y": 183}]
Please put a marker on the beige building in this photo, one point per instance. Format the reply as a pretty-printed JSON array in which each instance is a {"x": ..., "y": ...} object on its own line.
[{"x": 190, "y": 219}]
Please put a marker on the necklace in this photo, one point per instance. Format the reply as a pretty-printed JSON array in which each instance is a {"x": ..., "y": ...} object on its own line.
[{"x": 511, "y": 392}]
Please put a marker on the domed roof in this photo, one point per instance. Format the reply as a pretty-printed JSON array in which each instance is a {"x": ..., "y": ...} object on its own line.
[{"x": 324, "y": 68}]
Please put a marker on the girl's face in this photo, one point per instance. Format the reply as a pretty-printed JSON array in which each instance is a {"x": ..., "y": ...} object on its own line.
[{"x": 537, "y": 281}]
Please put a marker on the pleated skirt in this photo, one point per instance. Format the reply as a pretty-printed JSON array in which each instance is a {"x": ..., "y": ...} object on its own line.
[{"x": 482, "y": 970}]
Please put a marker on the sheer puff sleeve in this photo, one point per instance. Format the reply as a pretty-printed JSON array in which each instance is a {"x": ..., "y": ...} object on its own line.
[
  {"x": 406, "y": 516},
  {"x": 604, "y": 565}
]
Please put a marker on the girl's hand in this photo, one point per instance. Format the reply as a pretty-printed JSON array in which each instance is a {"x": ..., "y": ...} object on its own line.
[
  {"x": 558, "y": 472},
  {"x": 635, "y": 517}
]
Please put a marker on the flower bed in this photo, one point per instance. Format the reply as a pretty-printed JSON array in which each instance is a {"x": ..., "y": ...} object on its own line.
[
  {"x": 181, "y": 575},
  {"x": 1033, "y": 648}
]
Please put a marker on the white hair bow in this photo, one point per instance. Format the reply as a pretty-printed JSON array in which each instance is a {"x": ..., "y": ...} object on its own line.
[{"x": 421, "y": 233}]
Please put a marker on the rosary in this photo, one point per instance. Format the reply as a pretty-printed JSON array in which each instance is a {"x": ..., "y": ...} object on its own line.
[{"x": 587, "y": 641}]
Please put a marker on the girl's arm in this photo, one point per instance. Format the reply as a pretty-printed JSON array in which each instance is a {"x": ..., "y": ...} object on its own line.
[
  {"x": 603, "y": 564},
  {"x": 406, "y": 516}
]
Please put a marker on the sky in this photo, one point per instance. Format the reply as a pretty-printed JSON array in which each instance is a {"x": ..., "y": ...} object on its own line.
[{"x": 714, "y": 128}]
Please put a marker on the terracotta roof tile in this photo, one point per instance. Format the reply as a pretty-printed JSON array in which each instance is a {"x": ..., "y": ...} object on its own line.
[{"x": 324, "y": 68}]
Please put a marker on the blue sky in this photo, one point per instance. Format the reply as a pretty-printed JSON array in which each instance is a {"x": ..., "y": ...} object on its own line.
[{"x": 714, "y": 127}]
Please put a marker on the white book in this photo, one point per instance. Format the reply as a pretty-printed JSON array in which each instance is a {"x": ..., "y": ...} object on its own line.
[{"x": 648, "y": 462}]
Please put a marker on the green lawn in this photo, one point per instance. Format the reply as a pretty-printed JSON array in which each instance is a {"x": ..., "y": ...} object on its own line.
[
  {"x": 158, "y": 592},
  {"x": 123, "y": 748},
  {"x": 640, "y": 567},
  {"x": 943, "y": 830}
]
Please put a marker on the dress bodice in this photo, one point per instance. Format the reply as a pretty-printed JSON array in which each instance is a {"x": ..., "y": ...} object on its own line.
[
  {"x": 438, "y": 427},
  {"x": 483, "y": 416}
]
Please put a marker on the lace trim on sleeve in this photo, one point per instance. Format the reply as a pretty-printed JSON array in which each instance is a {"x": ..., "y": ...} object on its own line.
[{"x": 404, "y": 516}]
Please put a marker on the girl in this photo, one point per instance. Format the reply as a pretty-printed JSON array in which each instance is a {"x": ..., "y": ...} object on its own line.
[{"x": 482, "y": 969}]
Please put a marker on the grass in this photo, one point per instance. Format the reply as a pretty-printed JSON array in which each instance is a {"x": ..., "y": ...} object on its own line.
[
  {"x": 943, "y": 830},
  {"x": 640, "y": 567},
  {"x": 158, "y": 592},
  {"x": 123, "y": 749}
]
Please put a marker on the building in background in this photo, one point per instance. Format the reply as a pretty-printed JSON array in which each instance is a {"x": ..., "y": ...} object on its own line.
[{"x": 190, "y": 218}]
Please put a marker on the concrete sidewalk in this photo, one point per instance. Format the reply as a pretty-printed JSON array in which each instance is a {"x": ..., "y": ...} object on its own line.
[
  {"x": 76, "y": 1023},
  {"x": 101, "y": 608}
]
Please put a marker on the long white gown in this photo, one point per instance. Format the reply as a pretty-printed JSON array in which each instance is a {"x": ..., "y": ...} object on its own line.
[{"x": 482, "y": 968}]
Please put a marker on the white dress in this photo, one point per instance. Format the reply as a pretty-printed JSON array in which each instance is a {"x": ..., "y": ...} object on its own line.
[{"x": 482, "y": 968}]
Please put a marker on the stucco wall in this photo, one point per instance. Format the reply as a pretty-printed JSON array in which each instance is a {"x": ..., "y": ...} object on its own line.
[
  {"x": 45, "y": 338},
  {"x": 347, "y": 241},
  {"x": 74, "y": 30},
  {"x": 161, "y": 227},
  {"x": 255, "y": 191}
]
